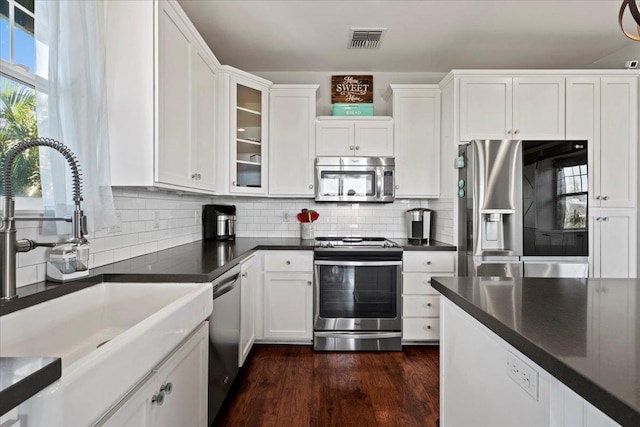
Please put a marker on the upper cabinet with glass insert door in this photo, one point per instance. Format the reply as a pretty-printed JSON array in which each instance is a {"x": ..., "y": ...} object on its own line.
[{"x": 248, "y": 131}]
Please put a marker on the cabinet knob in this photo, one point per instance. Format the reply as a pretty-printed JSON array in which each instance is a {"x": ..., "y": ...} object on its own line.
[
  {"x": 427, "y": 304},
  {"x": 397, "y": 187},
  {"x": 166, "y": 387},
  {"x": 357, "y": 147},
  {"x": 309, "y": 282},
  {"x": 598, "y": 197},
  {"x": 245, "y": 275},
  {"x": 351, "y": 147},
  {"x": 427, "y": 263},
  {"x": 426, "y": 327},
  {"x": 233, "y": 183},
  {"x": 605, "y": 197},
  {"x": 158, "y": 399},
  {"x": 427, "y": 282},
  {"x": 598, "y": 219},
  {"x": 311, "y": 186},
  {"x": 510, "y": 132},
  {"x": 517, "y": 131},
  {"x": 193, "y": 176},
  {"x": 288, "y": 262},
  {"x": 606, "y": 218}
]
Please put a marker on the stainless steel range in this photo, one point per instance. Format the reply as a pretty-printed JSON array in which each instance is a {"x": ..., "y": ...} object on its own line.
[{"x": 357, "y": 294}]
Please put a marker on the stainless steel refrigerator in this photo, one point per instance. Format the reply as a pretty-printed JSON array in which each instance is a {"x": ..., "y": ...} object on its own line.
[{"x": 522, "y": 208}]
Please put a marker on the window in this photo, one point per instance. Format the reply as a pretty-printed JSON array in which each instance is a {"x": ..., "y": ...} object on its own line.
[
  {"x": 17, "y": 93},
  {"x": 572, "y": 190}
]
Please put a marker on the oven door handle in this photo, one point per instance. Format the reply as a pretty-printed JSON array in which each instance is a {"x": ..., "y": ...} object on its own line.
[
  {"x": 359, "y": 335},
  {"x": 360, "y": 263}
]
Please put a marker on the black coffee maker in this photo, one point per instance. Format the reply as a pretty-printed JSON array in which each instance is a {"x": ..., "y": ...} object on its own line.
[{"x": 219, "y": 222}]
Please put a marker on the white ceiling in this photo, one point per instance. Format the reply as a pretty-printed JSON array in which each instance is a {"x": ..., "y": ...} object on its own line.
[{"x": 422, "y": 35}]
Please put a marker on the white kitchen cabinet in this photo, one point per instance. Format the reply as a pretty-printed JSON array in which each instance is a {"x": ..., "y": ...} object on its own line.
[
  {"x": 614, "y": 251},
  {"x": 346, "y": 136},
  {"x": 604, "y": 111},
  {"x": 172, "y": 394},
  {"x": 511, "y": 107},
  {"x": 292, "y": 146},
  {"x": 617, "y": 159},
  {"x": 246, "y": 114},
  {"x": 250, "y": 273},
  {"x": 420, "y": 301},
  {"x": 288, "y": 296},
  {"x": 416, "y": 118},
  {"x": 161, "y": 94}
]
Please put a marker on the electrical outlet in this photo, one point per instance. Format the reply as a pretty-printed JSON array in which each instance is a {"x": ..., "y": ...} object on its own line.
[
  {"x": 522, "y": 374},
  {"x": 156, "y": 219},
  {"x": 286, "y": 217}
]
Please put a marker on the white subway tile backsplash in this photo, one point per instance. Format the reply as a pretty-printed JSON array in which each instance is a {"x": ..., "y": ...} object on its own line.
[{"x": 154, "y": 220}]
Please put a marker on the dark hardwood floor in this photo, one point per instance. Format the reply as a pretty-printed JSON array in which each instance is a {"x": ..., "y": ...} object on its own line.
[{"x": 293, "y": 386}]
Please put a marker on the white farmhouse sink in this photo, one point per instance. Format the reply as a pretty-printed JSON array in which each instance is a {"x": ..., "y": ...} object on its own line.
[{"x": 109, "y": 337}]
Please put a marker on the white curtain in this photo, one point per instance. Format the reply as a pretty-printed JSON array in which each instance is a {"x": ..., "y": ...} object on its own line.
[{"x": 72, "y": 106}]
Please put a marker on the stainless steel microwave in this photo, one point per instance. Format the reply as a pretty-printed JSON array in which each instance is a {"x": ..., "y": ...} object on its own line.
[{"x": 355, "y": 179}]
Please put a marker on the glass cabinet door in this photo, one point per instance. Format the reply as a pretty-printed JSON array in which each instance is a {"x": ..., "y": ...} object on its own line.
[{"x": 248, "y": 147}]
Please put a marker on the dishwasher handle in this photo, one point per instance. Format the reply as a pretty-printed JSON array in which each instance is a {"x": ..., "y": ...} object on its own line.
[{"x": 225, "y": 286}]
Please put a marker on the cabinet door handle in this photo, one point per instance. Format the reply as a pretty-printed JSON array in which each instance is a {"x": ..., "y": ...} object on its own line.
[
  {"x": 245, "y": 275},
  {"x": 193, "y": 176},
  {"x": 351, "y": 147},
  {"x": 598, "y": 218},
  {"x": 288, "y": 262},
  {"x": 166, "y": 387},
  {"x": 426, "y": 304},
  {"x": 517, "y": 131},
  {"x": 233, "y": 183},
  {"x": 426, "y": 327},
  {"x": 598, "y": 197},
  {"x": 397, "y": 187},
  {"x": 510, "y": 132},
  {"x": 427, "y": 263},
  {"x": 427, "y": 282},
  {"x": 606, "y": 218},
  {"x": 357, "y": 147},
  {"x": 309, "y": 282},
  {"x": 158, "y": 399},
  {"x": 311, "y": 186},
  {"x": 605, "y": 197}
]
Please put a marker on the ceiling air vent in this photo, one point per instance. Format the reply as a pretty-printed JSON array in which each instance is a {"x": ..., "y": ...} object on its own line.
[{"x": 366, "y": 38}]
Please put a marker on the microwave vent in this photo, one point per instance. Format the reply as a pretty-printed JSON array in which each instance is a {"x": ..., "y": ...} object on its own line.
[{"x": 366, "y": 38}]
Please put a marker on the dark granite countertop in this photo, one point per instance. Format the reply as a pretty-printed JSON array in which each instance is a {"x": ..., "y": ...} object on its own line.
[
  {"x": 22, "y": 377},
  {"x": 584, "y": 332}
]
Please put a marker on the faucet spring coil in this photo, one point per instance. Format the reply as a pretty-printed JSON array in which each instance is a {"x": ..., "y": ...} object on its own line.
[{"x": 18, "y": 148}]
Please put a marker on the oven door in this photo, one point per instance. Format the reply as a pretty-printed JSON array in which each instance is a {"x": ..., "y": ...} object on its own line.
[{"x": 357, "y": 295}]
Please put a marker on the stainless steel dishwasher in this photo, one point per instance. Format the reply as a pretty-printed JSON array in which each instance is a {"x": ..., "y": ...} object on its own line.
[{"x": 224, "y": 338}]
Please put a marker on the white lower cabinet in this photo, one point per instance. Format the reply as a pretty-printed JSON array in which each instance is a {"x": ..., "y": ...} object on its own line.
[
  {"x": 614, "y": 241},
  {"x": 420, "y": 301},
  {"x": 288, "y": 296},
  {"x": 172, "y": 394},
  {"x": 250, "y": 271}
]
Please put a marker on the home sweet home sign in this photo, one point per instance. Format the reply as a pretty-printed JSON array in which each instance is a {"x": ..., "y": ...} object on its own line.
[{"x": 352, "y": 89}]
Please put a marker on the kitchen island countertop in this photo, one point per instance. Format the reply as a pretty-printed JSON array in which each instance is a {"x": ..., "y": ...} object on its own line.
[{"x": 584, "y": 332}]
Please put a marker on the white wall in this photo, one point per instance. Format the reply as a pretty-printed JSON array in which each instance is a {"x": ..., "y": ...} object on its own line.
[
  {"x": 149, "y": 222},
  {"x": 617, "y": 59},
  {"x": 381, "y": 82}
]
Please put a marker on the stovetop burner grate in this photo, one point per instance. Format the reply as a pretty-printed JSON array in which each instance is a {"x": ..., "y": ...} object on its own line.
[{"x": 358, "y": 242}]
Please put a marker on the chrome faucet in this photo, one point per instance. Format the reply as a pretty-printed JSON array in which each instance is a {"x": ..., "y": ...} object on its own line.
[{"x": 9, "y": 245}]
